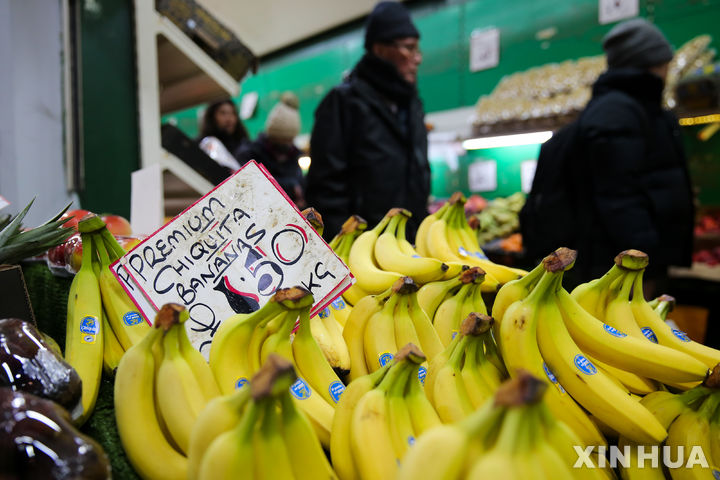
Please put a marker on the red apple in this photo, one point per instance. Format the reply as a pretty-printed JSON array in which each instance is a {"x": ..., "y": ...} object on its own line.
[
  {"x": 116, "y": 224},
  {"x": 77, "y": 215}
]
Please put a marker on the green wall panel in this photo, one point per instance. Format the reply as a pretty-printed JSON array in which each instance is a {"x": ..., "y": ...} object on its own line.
[{"x": 109, "y": 107}]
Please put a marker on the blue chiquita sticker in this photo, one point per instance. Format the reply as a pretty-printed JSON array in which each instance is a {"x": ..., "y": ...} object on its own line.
[
  {"x": 613, "y": 331},
  {"x": 422, "y": 373},
  {"x": 716, "y": 474},
  {"x": 336, "y": 389},
  {"x": 385, "y": 358},
  {"x": 649, "y": 334},
  {"x": 324, "y": 313},
  {"x": 338, "y": 303},
  {"x": 681, "y": 335},
  {"x": 89, "y": 327},
  {"x": 552, "y": 377},
  {"x": 300, "y": 389},
  {"x": 241, "y": 382},
  {"x": 132, "y": 318},
  {"x": 584, "y": 365}
]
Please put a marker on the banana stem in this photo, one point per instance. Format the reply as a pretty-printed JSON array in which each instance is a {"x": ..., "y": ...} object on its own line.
[
  {"x": 102, "y": 251},
  {"x": 87, "y": 252}
]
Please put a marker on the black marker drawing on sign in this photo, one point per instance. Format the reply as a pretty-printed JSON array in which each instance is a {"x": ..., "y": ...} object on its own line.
[{"x": 240, "y": 302}]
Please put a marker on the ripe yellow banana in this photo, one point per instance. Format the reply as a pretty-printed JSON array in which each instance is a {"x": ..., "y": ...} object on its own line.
[
  {"x": 271, "y": 456},
  {"x": 593, "y": 295},
  {"x": 319, "y": 412},
  {"x": 431, "y": 295},
  {"x": 430, "y": 343},
  {"x": 618, "y": 312},
  {"x": 338, "y": 356},
  {"x": 689, "y": 431},
  {"x": 648, "y": 319},
  {"x": 449, "y": 314},
  {"x": 306, "y": 454},
  {"x": 370, "y": 277},
  {"x": 379, "y": 335},
  {"x": 510, "y": 293},
  {"x": 402, "y": 433},
  {"x": 311, "y": 363},
  {"x": 136, "y": 417},
  {"x": 112, "y": 350},
  {"x": 340, "y": 310},
  {"x": 200, "y": 368},
  {"x": 340, "y": 448},
  {"x": 354, "y": 331},
  {"x": 404, "y": 326},
  {"x": 632, "y": 354},
  {"x": 422, "y": 235},
  {"x": 84, "y": 333},
  {"x": 260, "y": 334}
]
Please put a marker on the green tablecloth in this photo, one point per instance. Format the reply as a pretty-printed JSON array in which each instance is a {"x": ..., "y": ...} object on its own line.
[{"x": 48, "y": 295}]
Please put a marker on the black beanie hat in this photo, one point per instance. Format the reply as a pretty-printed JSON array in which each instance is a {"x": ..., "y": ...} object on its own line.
[
  {"x": 388, "y": 21},
  {"x": 636, "y": 43}
]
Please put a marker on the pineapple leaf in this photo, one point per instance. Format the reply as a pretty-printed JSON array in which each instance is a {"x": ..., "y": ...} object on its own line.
[{"x": 14, "y": 225}]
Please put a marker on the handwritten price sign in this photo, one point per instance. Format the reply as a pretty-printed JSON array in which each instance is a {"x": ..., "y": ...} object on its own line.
[{"x": 229, "y": 253}]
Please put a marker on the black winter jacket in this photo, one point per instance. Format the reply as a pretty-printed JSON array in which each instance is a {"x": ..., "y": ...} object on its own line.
[
  {"x": 280, "y": 161},
  {"x": 368, "y": 150},
  {"x": 637, "y": 191}
]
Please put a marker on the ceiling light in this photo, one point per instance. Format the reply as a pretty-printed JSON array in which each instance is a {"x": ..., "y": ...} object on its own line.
[
  {"x": 304, "y": 162},
  {"x": 507, "y": 140}
]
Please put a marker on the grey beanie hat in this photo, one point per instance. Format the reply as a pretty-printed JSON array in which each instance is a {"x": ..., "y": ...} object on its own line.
[{"x": 636, "y": 43}]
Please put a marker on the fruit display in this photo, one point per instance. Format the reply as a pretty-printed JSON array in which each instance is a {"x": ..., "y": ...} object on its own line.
[
  {"x": 500, "y": 218},
  {"x": 436, "y": 363}
]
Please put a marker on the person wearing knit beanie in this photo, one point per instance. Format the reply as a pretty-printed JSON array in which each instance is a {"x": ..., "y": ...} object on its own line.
[
  {"x": 636, "y": 43},
  {"x": 283, "y": 123}
]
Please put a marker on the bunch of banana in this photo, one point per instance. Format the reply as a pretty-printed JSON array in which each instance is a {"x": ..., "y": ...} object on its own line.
[
  {"x": 462, "y": 378},
  {"x": 243, "y": 343},
  {"x": 379, "y": 417},
  {"x": 549, "y": 331},
  {"x": 379, "y": 324},
  {"x": 616, "y": 298},
  {"x": 257, "y": 432},
  {"x": 378, "y": 257},
  {"x": 691, "y": 418},
  {"x": 124, "y": 325},
  {"x": 341, "y": 244},
  {"x": 513, "y": 435},
  {"x": 161, "y": 386},
  {"x": 447, "y": 236}
]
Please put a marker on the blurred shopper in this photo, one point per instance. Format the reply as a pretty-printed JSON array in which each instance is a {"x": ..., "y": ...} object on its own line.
[
  {"x": 274, "y": 148},
  {"x": 222, "y": 133},
  {"x": 369, "y": 142},
  {"x": 630, "y": 173}
]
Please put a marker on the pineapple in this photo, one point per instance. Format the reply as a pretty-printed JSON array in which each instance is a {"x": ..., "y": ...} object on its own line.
[{"x": 17, "y": 243}]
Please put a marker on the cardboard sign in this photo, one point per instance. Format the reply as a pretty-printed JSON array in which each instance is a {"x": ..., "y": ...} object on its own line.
[{"x": 228, "y": 253}]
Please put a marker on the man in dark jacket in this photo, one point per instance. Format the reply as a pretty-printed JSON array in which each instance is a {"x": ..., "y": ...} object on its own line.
[
  {"x": 369, "y": 142},
  {"x": 633, "y": 166}
]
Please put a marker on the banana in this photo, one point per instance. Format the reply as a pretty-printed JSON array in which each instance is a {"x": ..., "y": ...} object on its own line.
[
  {"x": 450, "y": 397},
  {"x": 431, "y": 295},
  {"x": 229, "y": 348},
  {"x": 594, "y": 390},
  {"x": 334, "y": 330},
  {"x": 354, "y": 294},
  {"x": 220, "y": 415},
  {"x": 267, "y": 327},
  {"x": 430, "y": 343},
  {"x": 689, "y": 431},
  {"x": 379, "y": 335},
  {"x": 84, "y": 332},
  {"x": 123, "y": 316},
  {"x": 632, "y": 382},
  {"x": 592, "y": 296},
  {"x": 231, "y": 455},
  {"x": 112, "y": 350},
  {"x": 200, "y": 368},
  {"x": 340, "y": 310},
  {"x": 625, "y": 352},
  {"x": 319, "y": 412},
  {"x": 311, "y": 363},
  {"x": 354, "y": 331},
  {"x": 618, "y": 312},
  {"x": 510, "y": 293},
  {"x": 421, "y": 237},
  {"x": 136, "y": 417},
  {"x": 422, "y": 413},
  {"x": 179, "y": 395},
  {"x": 402, "y": 433},
  {"x": 404, "y": 326},
  {"x": 647, "y": 318},
  {"x": 370, "y": 437},
  {"x": 340, "y": 448},
  {"x": 271, "y": 457},
  {"x": 361, "y": 261},
  {"x": 306, "y": 454},
  {"x": 520, "y": 351},
  {"x": 279, "y": 342},
  {"x": 478, "y": 390},
  {"x": 449, "y": 314},
  {"x": 391, "y": 257}
]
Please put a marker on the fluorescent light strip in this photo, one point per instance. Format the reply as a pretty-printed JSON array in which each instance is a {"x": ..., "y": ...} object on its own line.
[{"x": 507, "y": 140}]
